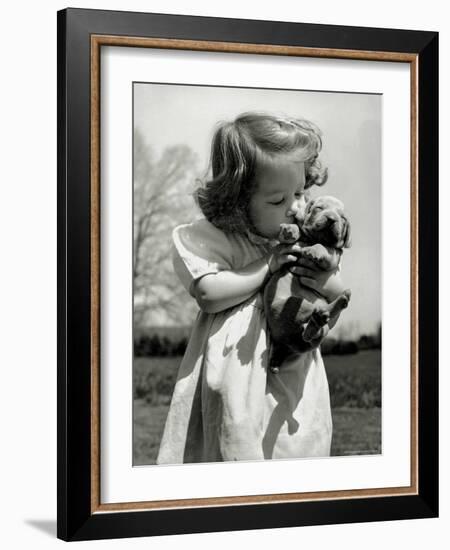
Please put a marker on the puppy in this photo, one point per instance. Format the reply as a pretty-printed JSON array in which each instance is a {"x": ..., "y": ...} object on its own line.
[{"x": 299, "y": 318}]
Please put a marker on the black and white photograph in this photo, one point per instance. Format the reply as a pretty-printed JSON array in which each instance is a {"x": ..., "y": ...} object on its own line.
[{"x": 257, "y": 273}]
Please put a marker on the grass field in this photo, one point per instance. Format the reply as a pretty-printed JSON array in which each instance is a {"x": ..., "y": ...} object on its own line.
[{"x": 355, "y": 390}]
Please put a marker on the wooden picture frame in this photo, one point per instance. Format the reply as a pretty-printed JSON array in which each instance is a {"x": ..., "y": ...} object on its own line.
[{"x": 81, "y": 35}]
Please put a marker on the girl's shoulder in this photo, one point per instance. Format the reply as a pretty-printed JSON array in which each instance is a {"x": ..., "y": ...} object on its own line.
[
  {"x": 200, "y": 248},
  {"x": 202, "y": 239},
  {"x": 198, "y": 226},
  {"x": 200, "y": 232}
]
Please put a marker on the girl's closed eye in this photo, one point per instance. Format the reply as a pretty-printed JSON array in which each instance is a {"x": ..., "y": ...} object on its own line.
[{"x": 277, "y": 203}]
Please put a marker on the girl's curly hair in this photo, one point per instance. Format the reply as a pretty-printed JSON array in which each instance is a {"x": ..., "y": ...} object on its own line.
[{"x": 238, "y": 147}]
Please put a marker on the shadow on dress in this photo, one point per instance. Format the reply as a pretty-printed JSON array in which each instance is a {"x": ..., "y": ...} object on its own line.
[
  {"x": 285, "y": 408},
  {"x": 200, "y": 425}
]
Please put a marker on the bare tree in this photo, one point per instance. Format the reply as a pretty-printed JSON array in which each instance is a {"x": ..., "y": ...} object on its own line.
[{"x": 162, "y": 200}]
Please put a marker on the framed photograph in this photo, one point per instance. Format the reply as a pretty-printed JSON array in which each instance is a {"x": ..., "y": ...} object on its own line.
[{"x": 247, "y": 274}]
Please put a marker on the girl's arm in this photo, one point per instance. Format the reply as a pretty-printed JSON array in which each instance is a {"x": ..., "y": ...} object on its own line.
[{"x": 219, "y": 291}]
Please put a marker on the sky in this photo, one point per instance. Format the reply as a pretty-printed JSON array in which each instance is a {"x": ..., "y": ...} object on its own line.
[{"x": 351, "y": 126}]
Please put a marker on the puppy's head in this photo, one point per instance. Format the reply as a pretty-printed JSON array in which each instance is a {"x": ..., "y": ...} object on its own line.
[{"x": 324, "y": 221}]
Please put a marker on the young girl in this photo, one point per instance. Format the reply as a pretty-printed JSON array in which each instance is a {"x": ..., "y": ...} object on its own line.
[{"x": 227, "y": 404}]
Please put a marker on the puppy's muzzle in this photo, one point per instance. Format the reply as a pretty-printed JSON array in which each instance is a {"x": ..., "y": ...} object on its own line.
[
  {"x": 330, "y": 225},
  {"x": 327, "y": 219}
]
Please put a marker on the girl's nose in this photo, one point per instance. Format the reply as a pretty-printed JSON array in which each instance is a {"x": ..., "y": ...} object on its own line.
[
  {"x": 296, "y": 207},
  {"x": 293, "y": 208}
]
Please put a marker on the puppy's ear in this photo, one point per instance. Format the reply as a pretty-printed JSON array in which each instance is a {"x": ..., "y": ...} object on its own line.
[
  {"x": 347, "y": 237},
  {"x": 301, "y": 215},
  {"x": 309, "y": 207}
]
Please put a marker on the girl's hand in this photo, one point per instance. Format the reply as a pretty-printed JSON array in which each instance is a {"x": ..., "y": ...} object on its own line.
[
  {"x": 282, "y": 254},
  {"x": 326, "y": 283}
]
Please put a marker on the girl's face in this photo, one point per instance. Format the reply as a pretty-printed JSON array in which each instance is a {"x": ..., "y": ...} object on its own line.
[{"x": 279, "y": 195}]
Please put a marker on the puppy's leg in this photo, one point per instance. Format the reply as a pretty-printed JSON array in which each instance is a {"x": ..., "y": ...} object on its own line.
[
  {"x": 337, "y": 306},
  {"x": 322, "y": 333},
  {"x": 322, "y": 314},
  {"x": 340, "y": 303},
  {"x": 319, "y": 318}
]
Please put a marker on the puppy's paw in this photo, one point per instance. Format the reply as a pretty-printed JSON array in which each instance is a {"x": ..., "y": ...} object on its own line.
[
  {"x": 314, "y": 334},
  {"x": 344, "y": 299},
  {"x": 321, "y": 317},
  {"x": 289, "y": 233},
  {"x": 314, "y": 253},
  {"x": 313, "y": 330}
]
